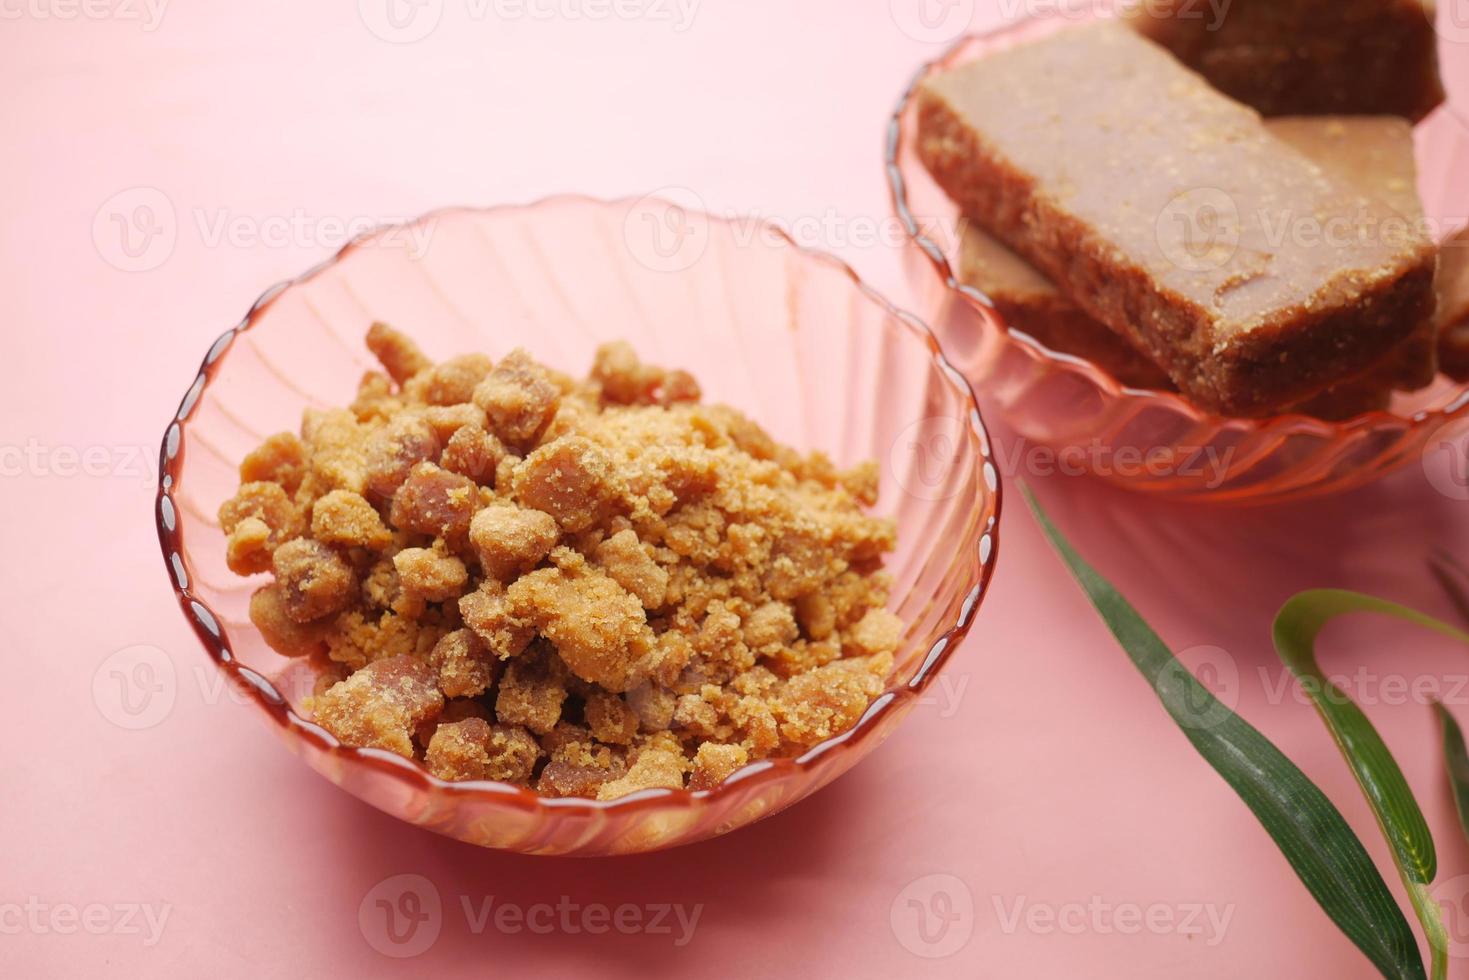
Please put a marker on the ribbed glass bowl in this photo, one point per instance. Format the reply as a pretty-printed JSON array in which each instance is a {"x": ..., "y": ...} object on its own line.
[
  {"x": 790, "y": 336},
  {"x": 1156, "y": 441}
]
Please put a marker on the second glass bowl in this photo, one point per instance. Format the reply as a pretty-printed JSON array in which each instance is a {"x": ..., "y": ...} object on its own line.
[{"x": 1156, "y": 441}]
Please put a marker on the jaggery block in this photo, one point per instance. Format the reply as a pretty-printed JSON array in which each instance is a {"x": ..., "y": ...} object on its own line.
[
  {"x": 714, "y": 763},
  {"x": 467, "y": 667},
  {"x": 578, "y": 765},
  {"x": 381, "y": 706},
  {"x": 473, "y": 749},
  {"x": 434, "y": 501},
  {"x": 345, "y": 518},
  {"x": 597, "y": 626},
  {"x": 512, "y": 540},
  {"x": 431, "y": 574},
  {"x": 519, "y": 397},
  {"x": 823, "y": 702},
  {"x": 1306, "y": 57},
  {"x": 489, "y": 614},
  {"x": 1167, "y": 212},
  {"x": 256, "y": 521},
  {"x": 1453, "y": 305},
  {"x": 658, "y": 762},
  {"x": 570, "y": 478},
  {"x": 610, "y": 718},
  {"x": 878, "y": 631},
  {"x": 315, "y": 580},
  {"x": 337, "y": 445},
  {"x": 399, "y": 356}
]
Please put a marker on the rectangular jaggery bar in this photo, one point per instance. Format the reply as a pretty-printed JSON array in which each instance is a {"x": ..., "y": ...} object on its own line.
[
  {"x": 1306, "y": 57},
  {"x": 1167, "y": 211},
  {"x": 1373, "y": 153}
]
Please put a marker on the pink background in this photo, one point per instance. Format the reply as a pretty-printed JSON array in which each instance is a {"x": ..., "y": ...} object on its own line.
[{"x": 1043, "y": 774}]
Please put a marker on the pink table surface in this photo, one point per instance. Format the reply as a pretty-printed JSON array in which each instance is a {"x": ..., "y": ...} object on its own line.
[{"x": 1040, "y": 818}]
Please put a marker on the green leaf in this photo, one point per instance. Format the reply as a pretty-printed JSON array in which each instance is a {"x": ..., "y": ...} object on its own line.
[
  {"x": 1297, "y": 626},
  {"x": 1454, "y": 577},
  {"x": 1309, "y": 830},
  {"x": 1456, "y": 761}
]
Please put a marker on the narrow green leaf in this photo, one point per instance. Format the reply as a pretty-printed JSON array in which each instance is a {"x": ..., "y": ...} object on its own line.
[
  {"x": 1309, "y": 830},
  {"x": 1454, "y": 578},
  {"x": 1456, "y": 761},
  {"x": 1297, "y": 626}
]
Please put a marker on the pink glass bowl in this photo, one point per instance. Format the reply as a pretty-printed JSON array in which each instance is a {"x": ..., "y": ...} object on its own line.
[
  {"x": 792, "y": 337},
  {"x": 1156, "y": 441}
]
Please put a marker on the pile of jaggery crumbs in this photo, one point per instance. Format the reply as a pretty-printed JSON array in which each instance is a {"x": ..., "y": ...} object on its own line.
[{"x": 590, "y": 587}]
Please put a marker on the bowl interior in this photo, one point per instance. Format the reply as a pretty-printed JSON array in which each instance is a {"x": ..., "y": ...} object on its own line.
[{"x": 789, "y": 337}]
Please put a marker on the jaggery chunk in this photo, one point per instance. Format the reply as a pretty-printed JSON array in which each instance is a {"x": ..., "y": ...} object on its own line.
[
  {"x": 714, "y": 763},
  {"x": 400, "y": 356},
  {"x": 1306, "y": 57},
  {"x": 256, "y": 521},
  {"x": 597, "y": 626},
  {"x": 282, "y": 633},
  {"x": 819, "y": 703},
  {"x": 512, "y": 540},
  {"x": 578, "y": 765},
  {"x": 430, "y": 574},
  {"x": 451, "y": 382},
  {"x": 315, "y": 580},
  {"x": 393, "y": 450},
  {"x": 519, "y": 398},
  {"x": 610, "y": 718},
  {"x": 488, "y": 613},
  {"x": 347, "y": 519},
  {"x": 381, "y": 706},
  {"x": 474, "y": 452},
  {"x": 338, "y": 448},
  {"x": 473, "y": 749},
  {"x": 434, "y": 501},
  {"x": 625, "y": 558},
  {"x": 531, "y": 693},
  {"x": 571, "y": 479},
  {"x": 1453, "y": 305},
  {"x": 279, "y": 459},
  {"x": 878, "y": 631},
  {"x": 465, "y": 664},
  {"x": 658, "y": 762}
]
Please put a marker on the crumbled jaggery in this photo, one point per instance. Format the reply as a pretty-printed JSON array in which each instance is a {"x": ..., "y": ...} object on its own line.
[{"x": 587, "y": 588}]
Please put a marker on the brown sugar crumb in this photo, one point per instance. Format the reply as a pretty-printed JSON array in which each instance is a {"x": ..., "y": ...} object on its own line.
[
  {"x": 512, "y": 540},
  {"x": 381, "y": 705},
  {"x": 475, "y": 749},
  {"x": 592, "y": 588},
  {"x": 347, "y": 519},
  {"x": 519, "y": 397},
  {"x": 465, "y": 664},
  {"x": 400, "y": 356},
  {"x": 714, "y": 762}
]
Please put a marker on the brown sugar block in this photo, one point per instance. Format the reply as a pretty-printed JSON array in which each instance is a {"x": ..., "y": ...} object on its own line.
[
  {"x": 1158, "y": 206},
  {"x": 1375, "y": 153},
  {"x": 382, "y": 705},
  {"x": 1453, "y": 305},
  {"x": 475, "y": 749},
  {"x": 1306, "y": 57}
]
